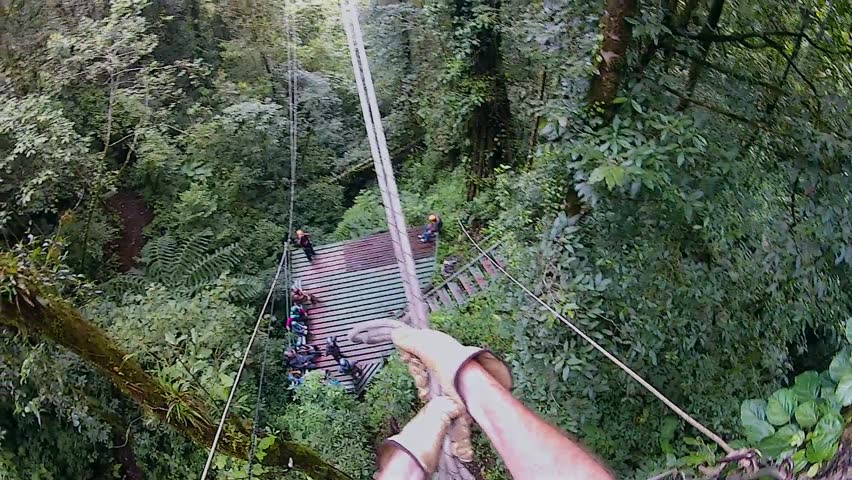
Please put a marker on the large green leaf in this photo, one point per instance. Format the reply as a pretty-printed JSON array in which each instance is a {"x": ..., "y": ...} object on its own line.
[
  {"x": 826, "y": 436},
  {"x": 806, "y": 414},
  {"x": 800, "y": 460},
  {"x": 753, "y": 419},
  {"x": 849, "y": 330},
  {"x": 841, "y": 365},
  {"x": 783, "y": 442},
  {"x": 806, "y": 386},
  {"x": 844, "y": 390},
  {"x": 781, "y": 406}
]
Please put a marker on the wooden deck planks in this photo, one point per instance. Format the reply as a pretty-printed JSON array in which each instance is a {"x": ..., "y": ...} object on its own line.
[{"x": 356, "y": 281}]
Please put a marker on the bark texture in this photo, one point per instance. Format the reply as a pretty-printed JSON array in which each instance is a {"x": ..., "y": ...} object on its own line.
[
  {"x": 617, "y": 34},
  {"x": 35, "y": 310}
]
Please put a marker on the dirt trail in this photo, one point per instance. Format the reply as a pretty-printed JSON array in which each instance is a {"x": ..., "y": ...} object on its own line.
[{"x": 134, "y": 215}]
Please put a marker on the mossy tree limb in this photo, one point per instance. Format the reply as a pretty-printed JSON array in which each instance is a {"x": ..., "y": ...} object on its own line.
[{"x": 35, "y": 309}]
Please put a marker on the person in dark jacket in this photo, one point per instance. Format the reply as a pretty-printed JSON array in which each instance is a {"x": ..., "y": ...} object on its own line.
[
  {"x": 303, "y": 240},
  {"x": 331, "y": 348},
  {"x": 301, "y": 361}
]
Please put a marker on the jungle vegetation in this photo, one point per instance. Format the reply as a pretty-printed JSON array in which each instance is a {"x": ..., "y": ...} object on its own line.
[{"x": 672, "y": 175}]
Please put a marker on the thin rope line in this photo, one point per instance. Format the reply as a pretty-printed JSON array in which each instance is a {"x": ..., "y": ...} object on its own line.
[
  {"x": 682, "y": 414},
  {"x": 292, "y": 99},
  {"x": 259, "y": 399},
  {"x": 284, "y": 255},
  {"x": 221, "y": 426}
]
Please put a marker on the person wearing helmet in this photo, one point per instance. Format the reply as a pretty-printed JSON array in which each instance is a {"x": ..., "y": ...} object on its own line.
[
  {"x": 432, "y": 229},
  {"x": 302, "y": 297},
  {"x": 297, "y": 314},
  {"x": 304, "y": 240},
  {"x": 297, "y": 323}
]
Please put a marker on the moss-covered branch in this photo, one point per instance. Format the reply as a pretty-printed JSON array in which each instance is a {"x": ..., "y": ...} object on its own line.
[{"x": 35, "y": 309}]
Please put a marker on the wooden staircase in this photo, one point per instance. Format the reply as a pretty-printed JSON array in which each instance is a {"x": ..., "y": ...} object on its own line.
[{"x": 466, "y": 282}]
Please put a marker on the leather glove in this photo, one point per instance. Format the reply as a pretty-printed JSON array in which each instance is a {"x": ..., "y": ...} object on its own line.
[
  {"x": 432, "y": 352},
  {"x": 423, "y": 437}
]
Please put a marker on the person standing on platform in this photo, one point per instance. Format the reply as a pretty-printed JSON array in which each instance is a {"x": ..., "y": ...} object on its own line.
[{"x": 303, "y": 240}]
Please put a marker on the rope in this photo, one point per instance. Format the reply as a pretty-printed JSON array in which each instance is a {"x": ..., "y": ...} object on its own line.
[
  {"x": 695, "y": 423},
  {"x": 227, "y": 408},
  {"x": 259, "y": 399},
  {"x": 293, "y": 100},
  {"x": 384, "y": 168}
]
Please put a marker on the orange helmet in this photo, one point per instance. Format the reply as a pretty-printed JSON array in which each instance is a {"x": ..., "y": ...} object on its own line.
[{"x": 433, "y": 218}]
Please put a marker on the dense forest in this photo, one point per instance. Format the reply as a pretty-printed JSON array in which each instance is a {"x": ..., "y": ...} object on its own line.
[{"x": 671, "y": 175}]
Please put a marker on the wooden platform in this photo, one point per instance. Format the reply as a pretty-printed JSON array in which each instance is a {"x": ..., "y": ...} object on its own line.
[{"x": 356, "y": 281}]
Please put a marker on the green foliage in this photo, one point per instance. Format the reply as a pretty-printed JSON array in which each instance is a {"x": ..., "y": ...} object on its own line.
[
  {"x": 481, "y": 322},
  {"x": 392, "y": 394},
  {"x": 329, "y": 420},
  {"x": 808, "y": 416},
  {"x": 45, "y": 162},
  {"x": 365, "y": 217},
  {"x": 698, "y": 229},
  {"x": 186, "y": 267}
]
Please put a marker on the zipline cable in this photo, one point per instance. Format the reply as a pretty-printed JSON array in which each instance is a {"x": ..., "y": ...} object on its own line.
[
  {"x": 384, "y": 168},
  {"x": 449, "y": 467},
  {"x": 293, "y": 102},
  {"x": 293, "y": 99},
  {"x": 682, "y": 414}
]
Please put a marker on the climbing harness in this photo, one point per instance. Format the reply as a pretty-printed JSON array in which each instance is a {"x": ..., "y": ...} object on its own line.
[{"x": 682, "y": 414}]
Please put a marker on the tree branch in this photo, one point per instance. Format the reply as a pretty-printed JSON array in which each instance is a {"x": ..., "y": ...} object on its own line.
[
  {"x": 714, "y": 108},
  {"x": 730, "y": 72},
  {"x": 36, "y": 309},
  {"x": 739, "y": 37}
]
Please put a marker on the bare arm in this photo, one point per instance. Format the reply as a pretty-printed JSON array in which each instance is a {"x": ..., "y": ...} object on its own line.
[
  {"x": 401, "y": 465},
  {"x": 531, "y": 447}
]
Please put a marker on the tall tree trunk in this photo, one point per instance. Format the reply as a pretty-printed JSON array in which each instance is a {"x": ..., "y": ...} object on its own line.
[
  {"x": 35, "y": 309},
  {"x": 617, "y": 34},
  {"x": 487, "y": 126},
  {"x": 537, "y": 120},
  {"x": 703, "y": 49}
]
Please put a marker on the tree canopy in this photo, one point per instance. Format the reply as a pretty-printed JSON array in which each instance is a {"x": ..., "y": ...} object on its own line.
[{"x": 671, "y": 175}]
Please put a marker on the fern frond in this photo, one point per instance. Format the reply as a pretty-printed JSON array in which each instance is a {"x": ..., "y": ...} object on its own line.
[
  {"x": 211, "y": 265},
  {"x": 190, "y": 255},
  {"x": 246, "y": 287},
  {"x": 158, "y": 256},
  {"x": 133, "y": 281}
]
